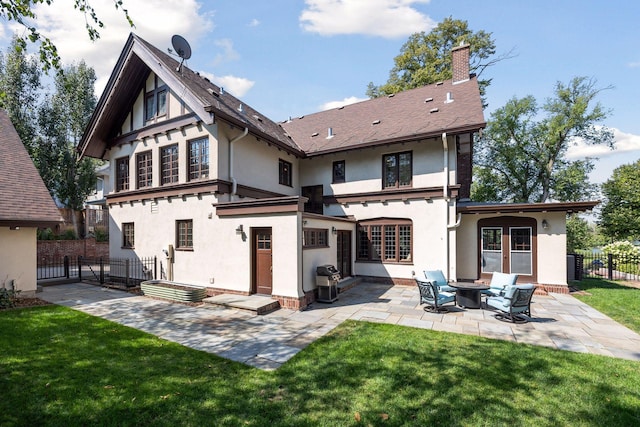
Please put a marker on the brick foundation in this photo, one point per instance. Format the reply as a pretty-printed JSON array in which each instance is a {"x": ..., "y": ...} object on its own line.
[{"x": 51, "y": 250}]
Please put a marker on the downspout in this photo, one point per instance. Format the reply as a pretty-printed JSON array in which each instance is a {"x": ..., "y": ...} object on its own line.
[
  {"x": 447, "y": 199},
  {"x": 234, "y": 183}
]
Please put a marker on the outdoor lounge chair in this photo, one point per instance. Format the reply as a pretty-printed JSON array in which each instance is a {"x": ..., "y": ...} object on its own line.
[
  {"x": 437, "y": 278},
  {"x": 515, "y": 302},
  {"x": 499, "y": 281},
  {"x": 433, "y": 298}
]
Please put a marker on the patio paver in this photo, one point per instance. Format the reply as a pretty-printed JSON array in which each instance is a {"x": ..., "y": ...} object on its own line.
[{"x": 266, "y": 342}]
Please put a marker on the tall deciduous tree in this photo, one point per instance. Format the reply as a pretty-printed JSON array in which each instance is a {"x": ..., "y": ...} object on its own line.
[
  {"x": 21, "y": 11},
  {"x": 425, "y": 58},
  {"x": 620, "y": 215},
  {"x": 20, "y": 91},
  {"x": 62, "y": 118},
  {"x": 521, "y": 156}
]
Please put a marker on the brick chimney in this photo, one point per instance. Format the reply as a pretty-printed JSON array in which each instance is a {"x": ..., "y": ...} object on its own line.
[{"x": 460, "y": 59}]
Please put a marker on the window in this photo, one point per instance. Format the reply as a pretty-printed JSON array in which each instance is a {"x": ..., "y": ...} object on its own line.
[
  {"x": 315, "y": 238},
  {"x": 184, "y": 234},
  {"x": 128, "y": 235},
  {"x": 198, "y": 159},
  {"x": 492, "y": 249},
  {"x": 338, "y": 172},
  {"x": 169, "y": 164},
  {"x": 122, "y": 174},
  {"x": 397, "y": 170},
  {"x": 385, "y": 240},
  {"x": 145, "y": 174},
  {"x": 155, "y": 104},
  {"x": 314, "y": 194},
  {"x": 285, "y": 173}
]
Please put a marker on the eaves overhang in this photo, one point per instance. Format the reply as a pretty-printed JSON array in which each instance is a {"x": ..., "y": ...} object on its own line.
[{"x": 511, "y": 208}]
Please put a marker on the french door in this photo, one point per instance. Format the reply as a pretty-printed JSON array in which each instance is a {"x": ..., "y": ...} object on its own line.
[{"x": 508, "y": 245}]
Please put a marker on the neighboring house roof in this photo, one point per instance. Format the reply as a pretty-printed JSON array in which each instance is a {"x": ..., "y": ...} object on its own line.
[
  {"x": 207, "y": 100},
  {"x": 414, "y": 114},
  {"x": 24, "y": 199}
]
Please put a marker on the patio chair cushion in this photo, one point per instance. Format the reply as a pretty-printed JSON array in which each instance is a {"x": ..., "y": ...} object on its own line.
[
  {"x": 432, "y": 297},
  {"x": 516, "y": 300},
  {"x": 499, "y": 281},
  {"x": 437, "y": 278}
]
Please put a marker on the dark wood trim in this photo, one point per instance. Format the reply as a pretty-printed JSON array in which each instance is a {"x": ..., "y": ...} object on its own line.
[
  {"x": 176, "y": 190},
  {"x": 28, "y": 223},
  {"x": 390, "y": 195},
  {"x": 497, "y": 208},
  {"x": 289, "y": 204},
  {"x": 158, "y": 128}
]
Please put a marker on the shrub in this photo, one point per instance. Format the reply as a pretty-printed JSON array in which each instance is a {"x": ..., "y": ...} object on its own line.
[{"x": 626, "y": 257}]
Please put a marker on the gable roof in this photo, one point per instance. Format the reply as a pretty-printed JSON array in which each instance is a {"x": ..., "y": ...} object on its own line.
[
  {"x": 207, "y": 100},
  {"x": 24, "y": 199},
  {"x": 415, "y": 114},
  {"x": 421, "y": 113}
]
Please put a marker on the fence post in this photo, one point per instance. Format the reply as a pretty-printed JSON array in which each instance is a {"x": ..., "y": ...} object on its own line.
[
  {"x": 126, "y": 269},
  {"x": 155, "y": 268},
  {"x": 66, "y": 266},
  {"x": 610, "y": 266},
  {"x": 80, "y": 268},
  {"x": 101, "y": 271}
]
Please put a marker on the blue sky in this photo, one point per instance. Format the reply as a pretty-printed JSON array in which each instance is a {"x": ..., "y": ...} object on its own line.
[{"x": 294, "y": 57}]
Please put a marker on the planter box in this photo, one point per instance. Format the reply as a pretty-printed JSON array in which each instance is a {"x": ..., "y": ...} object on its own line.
[{"x": 173, "y": 291}]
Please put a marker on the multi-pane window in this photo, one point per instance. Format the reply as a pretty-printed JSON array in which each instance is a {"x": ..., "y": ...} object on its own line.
[
  {"x": 199, "y": 159},
  {"x": 397, "y": 170},
  {"x": 122, "y": 174},
  {"x": 145, "y": 172},
  {"x": 385, "y": 240},
  {"x": 315, "y": 238},
  {"x": 491, "y": 249},
  {"x": 169, "y": 164},
  {"x": 284, "y": 169},
  {"x": 184, "y": 234},
  {"x": 155, "y": 103},
  {"x": 339, "y": 174},
  {"x": 128, "y": 235}
]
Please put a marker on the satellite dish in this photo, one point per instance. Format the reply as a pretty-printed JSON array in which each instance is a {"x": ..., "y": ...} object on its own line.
[{"x": 182, "y": 48}]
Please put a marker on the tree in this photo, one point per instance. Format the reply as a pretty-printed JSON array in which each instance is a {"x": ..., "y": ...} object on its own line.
[
  {"x": 20, "y": 11},
  {"x": 425, "y": 58},
  {"x": 62, "y": 119},
  {"x": 20, "y": 93},
  {"x": 620, "y": 214},
  {"x": 582, "y": 235},
  {"x": 521, "y": 156}
]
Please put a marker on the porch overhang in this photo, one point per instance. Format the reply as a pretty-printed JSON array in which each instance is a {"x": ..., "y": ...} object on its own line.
[
  {"x": 511, "y": 208},
  {"x": 288, "y": 204}
]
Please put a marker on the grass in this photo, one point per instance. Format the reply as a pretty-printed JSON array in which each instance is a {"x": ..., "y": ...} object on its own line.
[
  {"x": 61, "y": 367},
  {"x": 621, "y": 303}
]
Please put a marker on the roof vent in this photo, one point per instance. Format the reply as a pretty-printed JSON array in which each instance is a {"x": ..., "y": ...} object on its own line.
[
  {"x": 449, "y": 98},
  {"x": 341, "y": 107},
  {"x": 314, "y": 134},
  {"x": 330, "y": 133},
  {"x": 391, "y": 95},
  {"x": 241, "y": 108},
  {"x": 434, "y": 110},
  {"x": 439, "y": 83},
  {"x": 428, "y": 100},
  {"x": 212, "y": 92},
  {"x": 375, "y": 122},
  {"x": 221, "y": 90}
]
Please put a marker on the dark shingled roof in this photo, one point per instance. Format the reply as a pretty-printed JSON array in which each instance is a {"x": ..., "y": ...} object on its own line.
[
  {"x": 24, "y": 199},
  {"x": 410, "y": 115}
]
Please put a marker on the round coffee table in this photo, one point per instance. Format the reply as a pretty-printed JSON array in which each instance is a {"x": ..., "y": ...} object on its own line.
[{"x": 468, "y": 295}]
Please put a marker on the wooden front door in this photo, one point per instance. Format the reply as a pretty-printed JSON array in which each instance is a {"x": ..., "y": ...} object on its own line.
[
  {"x": 344, "y": 252},
  {"x": 262, "y": 261}
]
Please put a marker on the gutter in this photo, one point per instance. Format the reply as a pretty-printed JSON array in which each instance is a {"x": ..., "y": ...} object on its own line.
[{"x": 234, "y": 183}]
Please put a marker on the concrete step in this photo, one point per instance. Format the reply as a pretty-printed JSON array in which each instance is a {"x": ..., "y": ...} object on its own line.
[
  {"x": 257, "y": 304},
  {"x": 348, "y": 283}
]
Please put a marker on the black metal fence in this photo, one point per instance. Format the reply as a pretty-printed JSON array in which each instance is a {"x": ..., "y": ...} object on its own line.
[
  {"x": 127, "y": 272},
  {"x": 607, "y": 266}
]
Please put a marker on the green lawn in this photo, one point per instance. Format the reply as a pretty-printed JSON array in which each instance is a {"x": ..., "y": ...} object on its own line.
[
  {"x": 621, "y": 303},
  {"x": 62, "y": 367}
]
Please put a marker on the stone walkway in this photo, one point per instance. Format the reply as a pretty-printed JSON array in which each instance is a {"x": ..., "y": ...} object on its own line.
[{"x": 266, "y": 342}]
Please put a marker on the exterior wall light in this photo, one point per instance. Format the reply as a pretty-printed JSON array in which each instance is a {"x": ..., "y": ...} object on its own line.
[
  {"x": 333, "y": 230},
  {"x": 545, "y": 224}
]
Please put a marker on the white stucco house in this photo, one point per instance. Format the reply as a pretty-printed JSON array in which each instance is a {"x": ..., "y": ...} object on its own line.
[
  {"x": 25, "y": 205},
  {"x": 247, "y": 205}
]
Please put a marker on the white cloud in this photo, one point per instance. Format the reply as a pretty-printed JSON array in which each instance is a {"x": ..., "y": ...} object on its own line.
[
  {"x": 238, "y": 86},
  {"x": 384, "y": 18},
  {"x": 254, "y": 23},
  {"x": 155, "y": 21},
  {"x": 336, "y": 104},
  {"x": 228, "y": 53},
  {"x": 623, "y": 142},
  {"x": 634, "y": 64}
]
